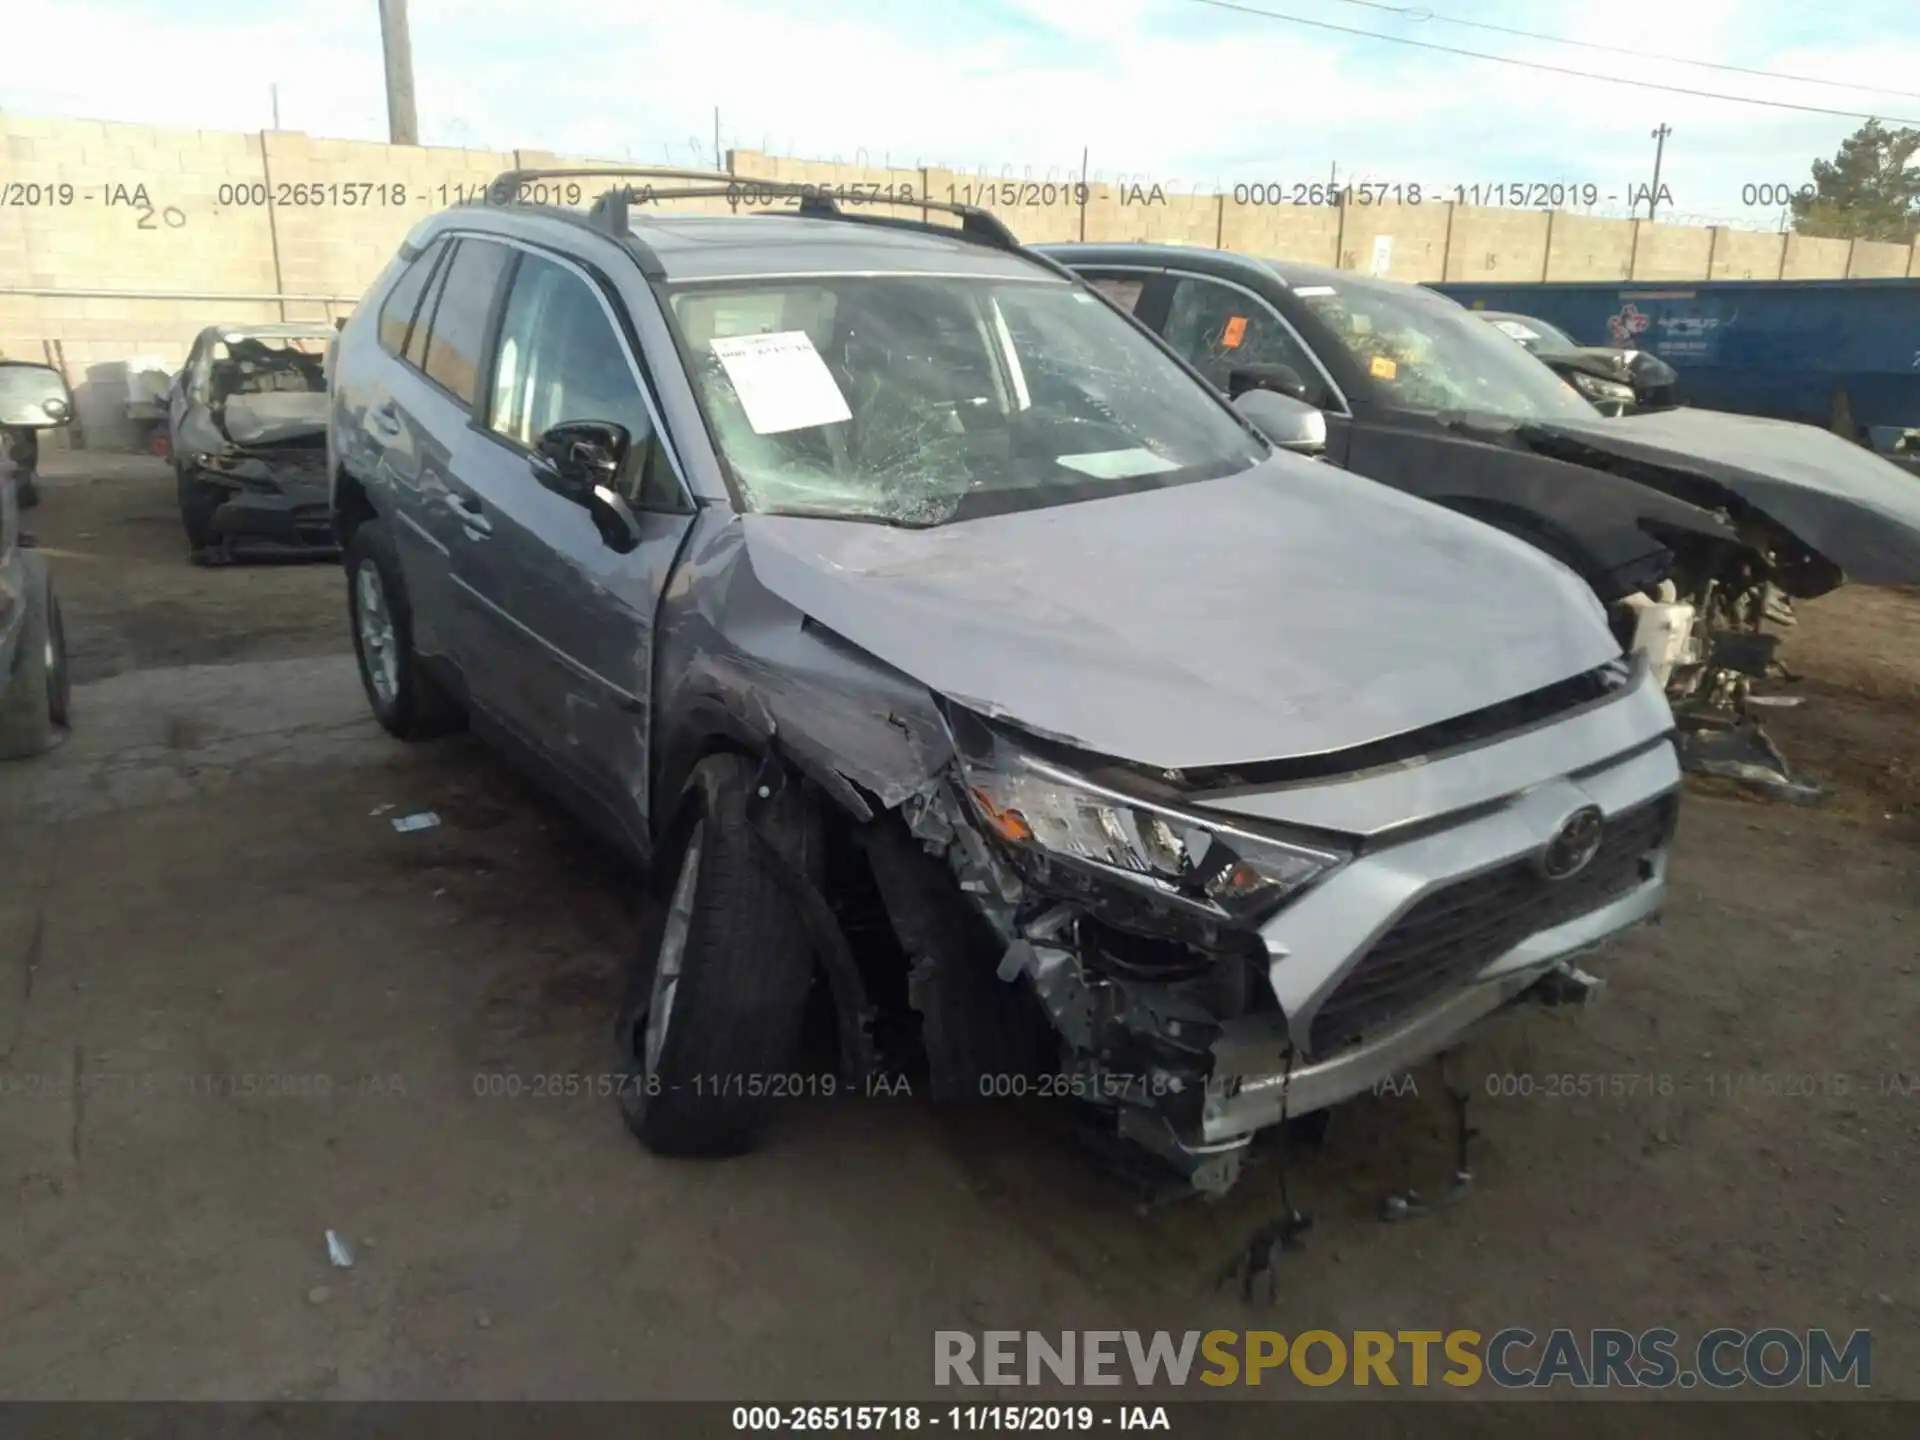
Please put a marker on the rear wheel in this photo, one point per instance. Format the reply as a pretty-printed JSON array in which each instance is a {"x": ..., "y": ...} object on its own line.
[
  {"x": 36, "y": 697},
  {"x": 404, "y": 698},
  {"x": 717, "y": 990}
]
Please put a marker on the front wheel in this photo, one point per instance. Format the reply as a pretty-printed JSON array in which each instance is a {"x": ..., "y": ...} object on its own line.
[
  {"x": 717, "y": 990},
  {"x": 198, "y": 501},
  {"x": 404, "y": 698}
]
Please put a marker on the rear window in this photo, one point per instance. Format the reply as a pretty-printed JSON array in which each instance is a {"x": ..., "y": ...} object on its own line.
[
  {"x": 403, "y": 301},
  {"x": 456, "y": 339}
]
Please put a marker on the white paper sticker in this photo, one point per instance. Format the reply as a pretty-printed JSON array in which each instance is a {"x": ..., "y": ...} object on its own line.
[
  {"x": 1516, "y": 330},
  {"x": 1313, "y": 290},
  {"x": 1118, "y": 464},
  {"x": 782, "y": 382}
]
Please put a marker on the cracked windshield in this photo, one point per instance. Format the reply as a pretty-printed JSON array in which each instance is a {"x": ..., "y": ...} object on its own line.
[
  {"x": 1427, "y": 356},
  {"x": 917, "y": 401}
]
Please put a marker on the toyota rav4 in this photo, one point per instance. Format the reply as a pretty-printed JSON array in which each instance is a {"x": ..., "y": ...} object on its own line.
[{"x": 967, "y": 673}]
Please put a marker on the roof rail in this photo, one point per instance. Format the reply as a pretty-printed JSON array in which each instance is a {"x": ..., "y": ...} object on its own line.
[
  {"x": 820, "y": 202},
  {"x": 504, "y": 188}
]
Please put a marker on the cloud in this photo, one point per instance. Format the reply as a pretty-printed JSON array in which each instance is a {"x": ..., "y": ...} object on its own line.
[{"x": 1186, "y": 93}]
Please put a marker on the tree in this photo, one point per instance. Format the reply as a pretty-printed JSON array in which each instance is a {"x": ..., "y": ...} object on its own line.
[{"x": 1867, "y": 191}]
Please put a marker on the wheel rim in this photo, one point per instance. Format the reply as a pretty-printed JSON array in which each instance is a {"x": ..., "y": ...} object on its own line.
[
  {"x": 374, "y": 622},
  {"x": 673, "y": 951}
]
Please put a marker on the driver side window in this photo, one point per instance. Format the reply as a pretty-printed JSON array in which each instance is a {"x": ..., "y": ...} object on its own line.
[
  {"x": 1218, "y": 329},
  {"x": 560, "y": 359}
]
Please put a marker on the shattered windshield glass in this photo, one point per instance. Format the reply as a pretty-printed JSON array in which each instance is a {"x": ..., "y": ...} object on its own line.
[
  {"x": 923, "y": 399},
  {"x": 1427, "y": 355},
  {"x": 271, "y": 364}
]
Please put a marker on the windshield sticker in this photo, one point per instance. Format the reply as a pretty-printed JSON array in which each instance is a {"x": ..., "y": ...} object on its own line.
[
  {"x": 1119, "y": 464},
  {"x": 1516, "y": 330},
  {"x": 1235, "y": 332},
  {"x": 782, "y": 382},
  {"x": 1381, "y": 368},
  {"x": 1313, "y": 290}
]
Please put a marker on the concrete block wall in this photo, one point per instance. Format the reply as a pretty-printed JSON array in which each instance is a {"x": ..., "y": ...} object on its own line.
[{"x": 191, "y": 223}]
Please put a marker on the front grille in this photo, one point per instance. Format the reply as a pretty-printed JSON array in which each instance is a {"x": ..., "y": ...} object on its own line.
[{"x": 1453, "y": 932}]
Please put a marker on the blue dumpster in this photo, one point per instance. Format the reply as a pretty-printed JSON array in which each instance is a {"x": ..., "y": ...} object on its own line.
[{"x": 1841, "y": 354}]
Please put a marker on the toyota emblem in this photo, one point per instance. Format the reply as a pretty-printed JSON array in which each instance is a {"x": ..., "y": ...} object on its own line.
[{"x": 1575, "y": 844}]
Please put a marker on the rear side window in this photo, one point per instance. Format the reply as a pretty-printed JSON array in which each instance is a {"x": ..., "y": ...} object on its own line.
[
  {"x": 403, "y": 301},
  {"x": 457, "y": 336}
]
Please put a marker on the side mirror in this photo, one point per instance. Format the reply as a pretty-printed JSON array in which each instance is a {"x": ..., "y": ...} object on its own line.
[
  {"x": 1281, "y": 379},
  {"x": 34, "y": 397},
  {"x": 581, "y": 461},
  {"x": 1287, "y": 423}
]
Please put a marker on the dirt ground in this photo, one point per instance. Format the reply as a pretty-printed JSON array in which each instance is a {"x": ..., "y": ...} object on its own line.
[{"x": 237, "y": 1009}]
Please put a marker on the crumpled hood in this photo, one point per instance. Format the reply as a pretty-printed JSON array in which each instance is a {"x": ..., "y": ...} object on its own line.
[
  {"x": 1290, "y": 610},
  {"x": 1841, "y": 499},
  {"x": 274, "y": 418}
]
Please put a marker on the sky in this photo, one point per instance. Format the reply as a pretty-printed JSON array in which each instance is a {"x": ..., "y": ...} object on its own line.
[{"x": 1185, "y": 94}]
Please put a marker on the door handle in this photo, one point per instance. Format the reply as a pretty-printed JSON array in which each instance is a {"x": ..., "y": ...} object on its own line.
[{"x": 470, "y": 512}]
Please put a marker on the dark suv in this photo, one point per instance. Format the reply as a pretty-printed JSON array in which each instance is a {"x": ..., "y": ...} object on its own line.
[{"x": 953, "y": 657}]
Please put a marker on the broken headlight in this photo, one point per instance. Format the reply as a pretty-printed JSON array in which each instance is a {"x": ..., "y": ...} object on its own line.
[{"x": 1198, "y": 864}]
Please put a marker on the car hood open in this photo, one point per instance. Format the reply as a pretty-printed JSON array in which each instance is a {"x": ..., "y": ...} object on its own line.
[
  {"x": 1294, "y": 609},
  {"x": 1841, "y": 499}
]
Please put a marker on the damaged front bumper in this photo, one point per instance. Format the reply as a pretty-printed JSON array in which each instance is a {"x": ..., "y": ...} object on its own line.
[
  {"x": 279, "y": 499},
  {"x": 1457, "y": 905}
]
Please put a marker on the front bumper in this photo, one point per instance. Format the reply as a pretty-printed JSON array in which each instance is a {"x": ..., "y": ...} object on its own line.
[
  {"x": 280, "y": 502},
  {"x": 1444, "y": 916}
]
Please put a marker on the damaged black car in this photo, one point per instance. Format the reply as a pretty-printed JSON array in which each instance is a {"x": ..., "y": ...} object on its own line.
[
  {"x": 1696, "y": 529},
  {"x": 1615, "y": 381},
  {"x": 247, "y": 423}
]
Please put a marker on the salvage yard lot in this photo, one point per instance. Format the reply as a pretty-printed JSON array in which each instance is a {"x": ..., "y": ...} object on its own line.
[{"x": 203, "y": 885}]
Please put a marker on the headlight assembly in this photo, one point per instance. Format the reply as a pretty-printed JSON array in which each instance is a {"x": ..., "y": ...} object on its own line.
[
  {"x": 1594, "y": 388},
  {"x": 1199, "y": 864}
]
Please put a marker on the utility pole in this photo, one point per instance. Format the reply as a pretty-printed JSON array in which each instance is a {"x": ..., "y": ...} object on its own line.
[
  {"x": 1659, "y": 150},
  {"x": 717, "y": 164},
  {"x": 275, "y": 88},
  {"x": 403, "y": 123}
]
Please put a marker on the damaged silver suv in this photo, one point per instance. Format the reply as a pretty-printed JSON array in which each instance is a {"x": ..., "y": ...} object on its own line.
[{"x": 967, "y": 674}]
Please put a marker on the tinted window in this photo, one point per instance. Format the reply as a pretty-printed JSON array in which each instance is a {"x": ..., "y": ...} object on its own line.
[
  {"x": 560, "y": 359},
  {"x": 1124, "y": 293},
  {"x": 396, "y": 316},
  {"x": 1219, "y": 330},
  {"x": 459, "y": 329}
]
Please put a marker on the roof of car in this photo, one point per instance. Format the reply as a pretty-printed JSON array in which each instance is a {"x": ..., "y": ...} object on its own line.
[
  {"x": 1248, "y": 269},
  {"x": 289, "y": 330},
  {"x": 716, "y": 247}
]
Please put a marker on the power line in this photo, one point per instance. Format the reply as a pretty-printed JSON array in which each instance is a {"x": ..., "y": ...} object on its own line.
[
  {"x": 1541, "y": 65},
  {"x": 1421, "y": 15}
]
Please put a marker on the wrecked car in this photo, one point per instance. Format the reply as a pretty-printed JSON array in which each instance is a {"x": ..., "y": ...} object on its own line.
[
  {"x": 246, "y": 423},
  {"x": 35, "y": 686},
  {"x": 1696, "y": 529},
  {"x": 1616, "y": 381},
  {"x": 966, "y": 674}
]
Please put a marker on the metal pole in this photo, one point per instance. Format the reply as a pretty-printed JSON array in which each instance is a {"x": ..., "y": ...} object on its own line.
[
  {"x": 275, "y": 88},
  {"x": 1084, "y": 196},
  {"x": 716, "y": 139},
  {"x": 1659, "y": 149},
  {"x": 403, "y": 122}
]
